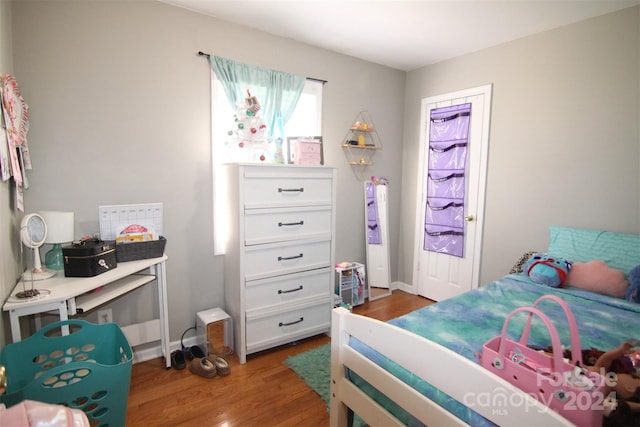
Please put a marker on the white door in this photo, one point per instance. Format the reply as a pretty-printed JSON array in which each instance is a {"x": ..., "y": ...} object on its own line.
[{"x": 438, "y": 275}]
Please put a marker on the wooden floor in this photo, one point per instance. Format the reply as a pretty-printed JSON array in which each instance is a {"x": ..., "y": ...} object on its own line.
[{"x": 263, "y": 392}]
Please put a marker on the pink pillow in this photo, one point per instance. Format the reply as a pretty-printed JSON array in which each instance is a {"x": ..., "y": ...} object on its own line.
[{"x": 597, "y": 276}]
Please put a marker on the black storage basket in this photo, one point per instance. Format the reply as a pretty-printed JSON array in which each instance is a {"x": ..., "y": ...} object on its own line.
[{"x": 140, "y": 250}]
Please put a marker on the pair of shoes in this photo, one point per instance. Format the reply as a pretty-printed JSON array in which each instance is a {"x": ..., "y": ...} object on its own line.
[
  {"x": 177, "y": 360},
  {"x": 222, "y": 366},
  {"x": 187, "y": 353},
  {"x": 197, "y": 351},
  {"x": 193, "y": 352},
  {"x": 204, "y": 367}
]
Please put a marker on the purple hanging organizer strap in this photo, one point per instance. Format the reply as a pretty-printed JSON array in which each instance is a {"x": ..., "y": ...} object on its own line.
[
  {"x": 448, "y": 148},
  {"x": 452, "y": 117},
  {"x": 444, "y": 233},
  {"x": 448, "y": 205},
  {"x": 448, "y": 177}
]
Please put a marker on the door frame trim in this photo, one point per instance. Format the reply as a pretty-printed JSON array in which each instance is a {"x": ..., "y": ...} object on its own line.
[{"x": 485, "y": 90}]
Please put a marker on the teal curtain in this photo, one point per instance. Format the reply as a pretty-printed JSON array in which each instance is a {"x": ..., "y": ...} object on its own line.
[{"x": 278, "y": 92}]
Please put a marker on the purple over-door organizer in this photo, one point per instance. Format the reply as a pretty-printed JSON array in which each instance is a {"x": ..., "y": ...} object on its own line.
[
  {"x": 373, "y": 226},
  {"x": 444, "y": 212}
]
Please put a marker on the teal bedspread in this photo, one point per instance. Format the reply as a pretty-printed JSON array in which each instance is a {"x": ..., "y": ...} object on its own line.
[{"x": 464, "y": 323}]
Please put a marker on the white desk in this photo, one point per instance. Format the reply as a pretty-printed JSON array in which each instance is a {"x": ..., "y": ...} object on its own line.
[{"x": 72, "y": 295}]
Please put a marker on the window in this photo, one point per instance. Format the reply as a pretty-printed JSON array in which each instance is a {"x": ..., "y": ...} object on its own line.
[
  {"x": 305, "y": 121},
  {"x": 307, "y": 117}
]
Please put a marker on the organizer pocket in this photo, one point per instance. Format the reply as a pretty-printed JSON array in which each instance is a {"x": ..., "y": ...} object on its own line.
[
  {"x": 446, "y": 183},
  {"x": 373, "y": 233},
  {"x": 449, "y": 125},
  {"x": 446, "y": 212},
  {"x": 447, "y": 240},
  {"x": 448, "y": 155}
]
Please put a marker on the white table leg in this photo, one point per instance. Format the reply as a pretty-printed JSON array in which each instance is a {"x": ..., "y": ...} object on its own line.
[
  {"x": 14, "y": 316},
  {"x": 161, "y": 278},
  {"x": 62, "y": 310}
]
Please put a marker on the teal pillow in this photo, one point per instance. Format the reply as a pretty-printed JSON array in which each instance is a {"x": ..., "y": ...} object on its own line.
[{"x": 619, "y": 250}]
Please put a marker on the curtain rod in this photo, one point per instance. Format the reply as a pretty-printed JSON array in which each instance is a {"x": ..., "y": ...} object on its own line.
[{"x": 208, "y": 56}]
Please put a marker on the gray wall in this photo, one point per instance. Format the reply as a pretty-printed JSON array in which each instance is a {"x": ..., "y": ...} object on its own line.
[
  {"x": 564, "y": 144},
  {"x": 119, "y": 103}
]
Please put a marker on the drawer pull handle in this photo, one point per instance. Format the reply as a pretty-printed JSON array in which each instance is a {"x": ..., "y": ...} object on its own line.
[
  {"x": 285, "y": 258},
  {"x": 289, "y": 224},
  {"x": 299, "y": 288},
  {"x": 290, "y": 323},
  {"x": 295, "y": 190}
]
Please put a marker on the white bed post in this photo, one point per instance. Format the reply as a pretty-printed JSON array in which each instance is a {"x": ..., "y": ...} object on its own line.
[{"x": 338, "y": 411}]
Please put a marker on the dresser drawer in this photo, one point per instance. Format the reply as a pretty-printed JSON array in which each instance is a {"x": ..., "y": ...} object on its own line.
[
  {"x": 273, "y": 187},
  {"x": 289, "y": 289},
  {"x": 282, "y": 224},
  {"x": 262, "y": 261},
  {"x": 266, "y": 330}
]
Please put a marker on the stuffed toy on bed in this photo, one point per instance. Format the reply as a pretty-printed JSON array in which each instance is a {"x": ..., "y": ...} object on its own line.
[
  {"x": 596, "y": 276},
  {"x": 547, "y": 270},
  {"x": 633, "y": 292}
]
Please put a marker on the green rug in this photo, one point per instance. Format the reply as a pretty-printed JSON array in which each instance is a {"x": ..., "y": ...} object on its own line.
[{"x": 314, "y": 367}]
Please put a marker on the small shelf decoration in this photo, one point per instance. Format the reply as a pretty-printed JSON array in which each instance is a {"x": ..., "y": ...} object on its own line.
[{"x": 361, "y": 142}]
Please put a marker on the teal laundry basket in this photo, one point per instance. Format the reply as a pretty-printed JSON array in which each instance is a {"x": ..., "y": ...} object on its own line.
[{"x": 88, "y": 369}]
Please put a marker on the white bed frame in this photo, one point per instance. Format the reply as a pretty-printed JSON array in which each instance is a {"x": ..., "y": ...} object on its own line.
[{"x": 462, "y": 379}]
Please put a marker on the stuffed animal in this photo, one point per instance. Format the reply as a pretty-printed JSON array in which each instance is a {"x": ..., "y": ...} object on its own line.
[
  {"x": 547, "y": 270},
  {"x": 633, "y": 292},
  {"x": 597, "y": 276}
]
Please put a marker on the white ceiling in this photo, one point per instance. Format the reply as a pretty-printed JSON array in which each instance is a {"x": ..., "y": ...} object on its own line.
[{"x": 403, "y": 34}]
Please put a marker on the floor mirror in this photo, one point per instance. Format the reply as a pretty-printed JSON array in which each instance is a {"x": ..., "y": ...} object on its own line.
[{"x": 377, "y": 235}]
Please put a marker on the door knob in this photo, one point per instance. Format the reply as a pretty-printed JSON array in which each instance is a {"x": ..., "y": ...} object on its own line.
[{"x": 469, "y": 218}]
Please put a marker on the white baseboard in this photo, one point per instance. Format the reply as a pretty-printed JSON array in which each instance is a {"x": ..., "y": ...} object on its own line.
[
  {"x": 144, "y": 353},
  {"x": 155, "y": 351},
  {"x": 405, "y": 287}
]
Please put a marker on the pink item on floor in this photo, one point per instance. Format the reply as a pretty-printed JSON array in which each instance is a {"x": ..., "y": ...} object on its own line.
[{"x": 30, "y": 413}]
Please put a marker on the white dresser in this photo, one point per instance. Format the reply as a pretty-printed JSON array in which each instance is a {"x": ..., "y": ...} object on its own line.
[{"x": 280, "y": 254}]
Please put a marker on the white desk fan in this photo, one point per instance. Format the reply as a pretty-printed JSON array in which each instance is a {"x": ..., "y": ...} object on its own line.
[{"x": 33, "y": 232}]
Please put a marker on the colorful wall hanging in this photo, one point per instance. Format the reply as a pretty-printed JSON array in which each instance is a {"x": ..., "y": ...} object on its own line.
[{"x": 15, "y": 113}]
